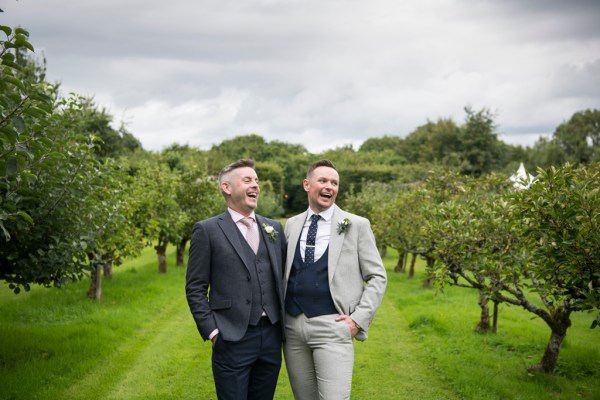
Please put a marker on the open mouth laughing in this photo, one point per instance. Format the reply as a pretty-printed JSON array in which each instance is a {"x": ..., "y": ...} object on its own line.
[{"x": 325, "y": 196}]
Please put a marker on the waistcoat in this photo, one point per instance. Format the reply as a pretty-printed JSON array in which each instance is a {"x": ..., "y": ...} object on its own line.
[
  {"x": 308, "y": 287},
  {"x": 264, "y": 290}
]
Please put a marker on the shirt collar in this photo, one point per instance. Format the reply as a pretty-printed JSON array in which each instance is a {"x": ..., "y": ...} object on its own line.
[
  {"x": 236, "y": 216},
  {"x": 326, "y": 215}
]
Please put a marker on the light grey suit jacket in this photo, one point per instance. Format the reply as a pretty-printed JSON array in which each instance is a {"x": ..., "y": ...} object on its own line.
[{"x": 353, "y": 261}]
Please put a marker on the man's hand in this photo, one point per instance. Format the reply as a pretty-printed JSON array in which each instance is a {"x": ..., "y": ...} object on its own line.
[{"x": 354, "y": 328}]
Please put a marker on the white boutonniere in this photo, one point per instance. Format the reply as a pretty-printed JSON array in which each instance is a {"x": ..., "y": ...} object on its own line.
[
  {"x": 343, "y": 225},
  {"x": 270, "y": 231}
]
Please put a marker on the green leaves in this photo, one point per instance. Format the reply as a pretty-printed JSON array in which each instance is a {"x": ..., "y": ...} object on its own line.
[
  {"x": 505, "y": 243},
  {"x": 16, "y": 39},
  {"x": 48, "y": 175},
  {"x": 7, "y": 31}
]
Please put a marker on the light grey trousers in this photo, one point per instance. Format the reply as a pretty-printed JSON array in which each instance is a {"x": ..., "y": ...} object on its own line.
[{"x": 319, "y": 357}]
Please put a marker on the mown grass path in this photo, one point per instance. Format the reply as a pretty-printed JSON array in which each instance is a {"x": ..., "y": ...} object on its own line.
[
  {"x": 166, "y": 359},
  {"x": 392, "y": 364},
  {"x": 150, "y": 364}
]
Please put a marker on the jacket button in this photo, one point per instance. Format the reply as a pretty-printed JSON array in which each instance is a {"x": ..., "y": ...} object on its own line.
[
  {"x": 247, "y": 301},
  {"x": 248, "y": 278}
]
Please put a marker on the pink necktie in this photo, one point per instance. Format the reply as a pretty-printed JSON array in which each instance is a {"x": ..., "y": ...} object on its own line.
[{"x": 251, "y": 234}]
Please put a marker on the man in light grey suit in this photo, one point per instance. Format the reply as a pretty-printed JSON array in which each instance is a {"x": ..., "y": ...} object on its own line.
[
  {"x": 234, "y": 289},
  {"x": 334, "y": 282}
]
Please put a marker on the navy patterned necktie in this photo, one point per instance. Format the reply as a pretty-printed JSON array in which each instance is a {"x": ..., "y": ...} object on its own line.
[{"x": 309, "y": 252}]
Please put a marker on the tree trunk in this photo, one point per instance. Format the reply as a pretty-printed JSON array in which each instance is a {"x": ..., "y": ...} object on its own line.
[
  {"x": 411, "y": 271},
  {"x": 561, "y": 322},
  {"x": 495, "y": 318},
  {"x": 95, "y": 289},
  {"x": 108, "y": 267},
  {"x": 181, "y": 252},
  {"x": 161, "y": 252},
  {"x": 484, "y": 321},
  {"x": 430, "y": 261},
  {"x": 400, "y": 265},
  {"x": 383, "y": 251}
]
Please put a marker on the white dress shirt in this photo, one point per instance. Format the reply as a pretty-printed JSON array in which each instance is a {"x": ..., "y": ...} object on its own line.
[{"x": 323, "y": 232}]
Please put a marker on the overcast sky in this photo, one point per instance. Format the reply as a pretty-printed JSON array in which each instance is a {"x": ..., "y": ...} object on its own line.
[{"x": 322, "y": 73}]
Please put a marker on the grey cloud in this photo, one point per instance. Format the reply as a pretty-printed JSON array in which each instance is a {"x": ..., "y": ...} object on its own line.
[{"x": 346, "y": 70}]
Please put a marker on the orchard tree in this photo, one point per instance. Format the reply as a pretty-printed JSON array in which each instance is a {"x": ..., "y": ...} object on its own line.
[
  {"x": 370, "y": 203},
  {"x": 47, "y": 174},
  {"x": 196, "y": 193},
  {"x": 160, "y": 185},
  {"x": 468, "y": 230},
  {"x": 542, "y": 241},
  {"x": 119, "y": 234},
  {"x": 559, "y": 217},
  {"x": 401, "y": 222},
  {"x": 441, "y": 186}
]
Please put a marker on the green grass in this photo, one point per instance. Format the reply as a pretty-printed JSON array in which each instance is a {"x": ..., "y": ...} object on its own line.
[{"x": 141, "y": 343}]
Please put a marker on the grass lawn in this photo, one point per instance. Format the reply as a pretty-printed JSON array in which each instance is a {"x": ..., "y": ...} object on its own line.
[{"x": 141, "y": 343}]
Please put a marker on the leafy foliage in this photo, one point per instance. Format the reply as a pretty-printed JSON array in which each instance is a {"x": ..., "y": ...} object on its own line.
[
  {"x": 47, "y": 175},
  {"x": 542, "y": 240},
  {"x": 60, "y": 205},
  {"x": 580, "y": 137},
  {"x": 113, "y": 143},
  {"x": 559, "y": 217}
]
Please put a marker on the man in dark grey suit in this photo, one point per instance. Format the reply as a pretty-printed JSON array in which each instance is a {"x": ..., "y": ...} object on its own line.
[{"x": 234, "y": 289}]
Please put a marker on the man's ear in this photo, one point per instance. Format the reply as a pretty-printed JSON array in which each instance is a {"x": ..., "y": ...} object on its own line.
[
  {"x": 225, "y": 187},
  {"x": 306, "y": 185}
]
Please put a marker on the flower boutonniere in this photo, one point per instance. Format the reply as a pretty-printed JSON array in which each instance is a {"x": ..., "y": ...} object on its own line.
[
  {"x": 343, "y": 225},
  {"x": 270, "y": 231}
]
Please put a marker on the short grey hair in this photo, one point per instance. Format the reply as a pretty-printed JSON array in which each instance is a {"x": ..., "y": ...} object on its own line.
[{"x": 243, "y": 163}]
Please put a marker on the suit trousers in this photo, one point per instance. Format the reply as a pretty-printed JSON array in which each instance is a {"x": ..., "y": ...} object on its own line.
[
  {"x": 319, "y": 356},
  {"x": 248, "y": 368}
]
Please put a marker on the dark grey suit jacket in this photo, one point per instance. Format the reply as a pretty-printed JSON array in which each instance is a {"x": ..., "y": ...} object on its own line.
[{"x": 218, "y": 287}]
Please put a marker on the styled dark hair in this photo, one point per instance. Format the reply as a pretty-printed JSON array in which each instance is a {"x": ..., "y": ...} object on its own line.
[
  {"x": 320, "y": 163},
  {"x": 235, "y": 165}
]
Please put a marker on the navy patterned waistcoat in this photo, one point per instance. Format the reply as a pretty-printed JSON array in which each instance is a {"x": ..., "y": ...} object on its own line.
[{"x": 308, "y": 287}]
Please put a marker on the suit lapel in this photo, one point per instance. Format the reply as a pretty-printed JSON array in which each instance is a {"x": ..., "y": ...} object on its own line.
[
  {"x": 231, "y": 232},
  {"x": 295, "y": 229},
  {"x": 336, "y": 242}
]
